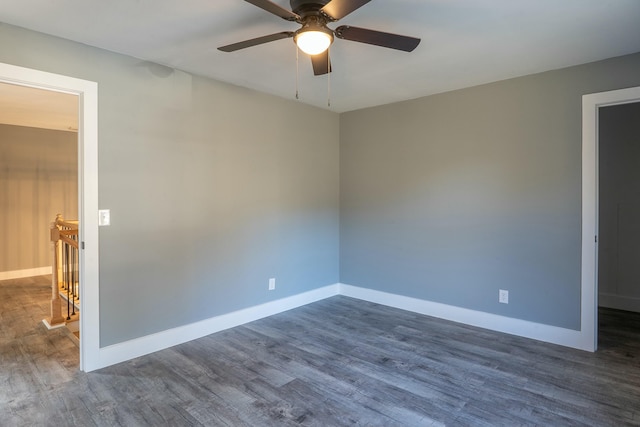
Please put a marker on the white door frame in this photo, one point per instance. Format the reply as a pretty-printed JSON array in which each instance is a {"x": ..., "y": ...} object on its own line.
[
  {"x": 87, "y": 93},
  {"x": 590, "y": 107}
]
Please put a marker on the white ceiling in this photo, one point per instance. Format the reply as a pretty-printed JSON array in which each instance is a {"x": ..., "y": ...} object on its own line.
[{"x": 464, "y": 42}]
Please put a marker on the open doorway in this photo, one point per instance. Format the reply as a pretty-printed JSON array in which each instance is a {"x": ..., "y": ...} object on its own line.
[
  {"x": 592, "y": 107},
  {"x": 86, "y": 94},
  {"x": 39, "y": 181},
  {"x": 619, "y": 225},
  {"x": 619, "y": 207}
]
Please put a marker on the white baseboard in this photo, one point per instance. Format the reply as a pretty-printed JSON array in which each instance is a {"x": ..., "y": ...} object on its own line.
[
  {"x": 151, "y": 343},
  {"x": 494, "y": 322},
  {"x": 148, "y": 344},
  {"x": 30, "y": 272},
  {"x": 619, "y": 302}
]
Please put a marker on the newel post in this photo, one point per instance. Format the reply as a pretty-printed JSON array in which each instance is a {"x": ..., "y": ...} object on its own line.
[{"x": 56, "y": 303}]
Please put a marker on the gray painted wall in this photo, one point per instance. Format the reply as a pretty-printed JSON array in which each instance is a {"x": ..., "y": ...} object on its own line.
[
  {"x": 38, "y": 179},
  {"x": 451, "y": 197},
  {"x": 619, "y": 212},
  {"x": 213, "y": 189}
]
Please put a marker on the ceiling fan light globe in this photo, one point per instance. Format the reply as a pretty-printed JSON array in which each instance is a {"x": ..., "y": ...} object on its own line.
[{"x": 313, "y": 42}]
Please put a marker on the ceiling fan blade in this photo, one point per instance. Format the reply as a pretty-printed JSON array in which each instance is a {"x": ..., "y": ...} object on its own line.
[
  {"x": 275, "y": 9},
  {"x": 338, "y": 9},
  {"x": 378, "y": 38},
  {"x": 254, "y": 42},
  {"x": 321, "y": 63}
]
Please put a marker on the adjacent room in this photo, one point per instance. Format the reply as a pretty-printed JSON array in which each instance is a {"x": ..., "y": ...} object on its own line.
[{"x": 430, "y": 220}]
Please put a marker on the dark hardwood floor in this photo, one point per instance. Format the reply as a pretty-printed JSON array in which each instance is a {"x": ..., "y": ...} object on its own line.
[{"x": 332, "y": 363}]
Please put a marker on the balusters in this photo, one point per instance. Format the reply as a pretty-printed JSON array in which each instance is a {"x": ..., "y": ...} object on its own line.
[
  {"x": 73, "y": 279},
  {"x": 64, "y": 236},
  {"x": 76, "y": 268},
  {"x": 67, "y": 284}
]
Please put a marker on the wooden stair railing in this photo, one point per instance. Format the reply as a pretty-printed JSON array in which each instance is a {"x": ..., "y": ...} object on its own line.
[{"x": 65, "y": 272}]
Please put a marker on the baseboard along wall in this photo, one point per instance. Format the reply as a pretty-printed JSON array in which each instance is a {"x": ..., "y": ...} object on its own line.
[
  {"x": 148, "y": 344},
  {"x": 494, "y": 322},
  {"x": 21, "y": 274},
  {"x": 619, "y": 302},
  {"x": 151, "y": 343}
]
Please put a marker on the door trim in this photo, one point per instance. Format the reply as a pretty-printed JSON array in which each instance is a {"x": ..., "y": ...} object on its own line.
[
  {"x": 87, "y": 92},
  {"x": 591, "y": 104}
]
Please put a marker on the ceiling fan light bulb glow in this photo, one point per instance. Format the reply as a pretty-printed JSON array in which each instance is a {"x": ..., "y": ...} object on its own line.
[{"x": 313, "y": 42}]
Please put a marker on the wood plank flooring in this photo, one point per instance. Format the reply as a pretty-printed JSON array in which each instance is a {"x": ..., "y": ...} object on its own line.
[{"x": 337, "y": 362}]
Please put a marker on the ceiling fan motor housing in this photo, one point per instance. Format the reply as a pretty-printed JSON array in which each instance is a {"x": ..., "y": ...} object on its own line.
[{"x": 307, "y": 7}]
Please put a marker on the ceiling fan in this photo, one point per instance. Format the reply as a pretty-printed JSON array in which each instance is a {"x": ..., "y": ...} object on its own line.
[{"x": 314, "y": 37}]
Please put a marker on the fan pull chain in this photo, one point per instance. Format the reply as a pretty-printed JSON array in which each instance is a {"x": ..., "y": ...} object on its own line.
[
  {"x": 329, "y": 77},
  {"x": 296, "y": 47}
]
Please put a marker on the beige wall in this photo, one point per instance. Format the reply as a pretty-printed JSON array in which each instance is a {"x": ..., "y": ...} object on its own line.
[{"x": 38, "y": 179}]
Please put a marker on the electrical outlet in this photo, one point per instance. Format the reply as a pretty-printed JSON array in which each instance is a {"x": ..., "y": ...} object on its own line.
[
  {"x": 272, "y": 284},
  {"x": 503, "y": 296}
]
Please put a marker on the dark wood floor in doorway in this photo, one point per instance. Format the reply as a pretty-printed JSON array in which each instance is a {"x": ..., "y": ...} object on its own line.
[{"x": 336, "y": 362}]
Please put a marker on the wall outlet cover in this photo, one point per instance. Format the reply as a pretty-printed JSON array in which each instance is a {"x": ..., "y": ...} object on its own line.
[{"x": 503, "y": 296}]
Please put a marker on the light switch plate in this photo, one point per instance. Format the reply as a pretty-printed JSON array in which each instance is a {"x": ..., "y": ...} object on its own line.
[{"x": 104, "y": 217}]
